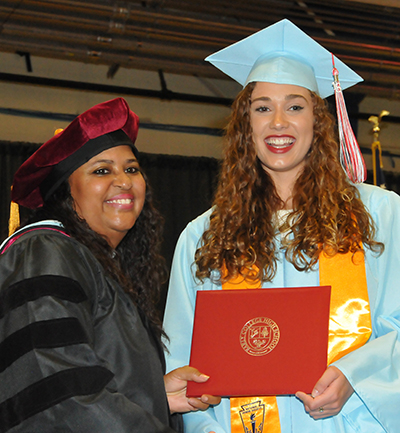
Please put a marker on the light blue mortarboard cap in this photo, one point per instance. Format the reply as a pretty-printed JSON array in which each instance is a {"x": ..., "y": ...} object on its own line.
[{"x": 283, "y": 54}]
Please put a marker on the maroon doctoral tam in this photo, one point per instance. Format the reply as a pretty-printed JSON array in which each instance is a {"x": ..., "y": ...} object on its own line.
[{"x": 103, "y": 126}]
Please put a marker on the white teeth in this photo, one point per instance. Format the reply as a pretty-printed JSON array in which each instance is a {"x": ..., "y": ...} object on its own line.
[
  {"x": 121, "y": 201},
  {"x": 280, "y": 141}
]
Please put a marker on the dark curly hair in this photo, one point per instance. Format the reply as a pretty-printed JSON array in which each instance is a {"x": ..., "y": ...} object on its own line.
[
  {"x": 137, "y": 265},
  {"x": 327, "y": 214}
]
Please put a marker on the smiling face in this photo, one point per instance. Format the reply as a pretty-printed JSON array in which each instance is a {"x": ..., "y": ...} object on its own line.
[
  {"x": 282, "y": 121},
  {"x": 109, "y": 192}
]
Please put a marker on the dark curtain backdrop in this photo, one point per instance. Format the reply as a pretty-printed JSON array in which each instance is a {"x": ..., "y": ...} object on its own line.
[{"x": 183, "y": 188}]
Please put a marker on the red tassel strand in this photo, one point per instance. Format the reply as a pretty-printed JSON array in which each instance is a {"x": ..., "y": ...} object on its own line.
[{"x": 350, "y": 155}]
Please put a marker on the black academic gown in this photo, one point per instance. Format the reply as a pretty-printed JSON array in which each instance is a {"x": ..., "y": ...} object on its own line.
[{"x": 75, "y": 354}]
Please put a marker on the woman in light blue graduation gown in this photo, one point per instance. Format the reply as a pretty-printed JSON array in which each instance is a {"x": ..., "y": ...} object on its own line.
[{"x": 360, "y": 391}]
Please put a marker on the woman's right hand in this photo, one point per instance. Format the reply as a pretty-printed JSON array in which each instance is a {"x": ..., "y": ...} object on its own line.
[
  {"x": 175, "y": 387},
  {"x": 328, "y": 396}
]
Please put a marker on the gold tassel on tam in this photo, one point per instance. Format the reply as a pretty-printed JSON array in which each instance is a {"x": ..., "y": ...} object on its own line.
[{"x": 13, "y": 222}]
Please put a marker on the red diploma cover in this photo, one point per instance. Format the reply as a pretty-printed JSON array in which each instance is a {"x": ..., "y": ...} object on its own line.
[{"x": 260, "y": 341}]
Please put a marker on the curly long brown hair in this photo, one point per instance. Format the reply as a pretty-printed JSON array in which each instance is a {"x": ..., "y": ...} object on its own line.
[{"x": 327, "y": 214}]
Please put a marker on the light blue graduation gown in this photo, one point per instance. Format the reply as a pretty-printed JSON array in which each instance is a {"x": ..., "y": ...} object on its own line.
[{"x": 373, "y": 370}]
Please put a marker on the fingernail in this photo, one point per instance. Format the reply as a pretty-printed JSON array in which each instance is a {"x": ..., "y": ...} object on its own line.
[
  {"x": 204, "y": 398},
  {"x": 204, "y": 376}
]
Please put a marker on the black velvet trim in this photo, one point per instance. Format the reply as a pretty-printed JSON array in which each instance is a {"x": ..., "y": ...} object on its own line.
[
  {"x": 50, "y": 391},
  {"x": 176, "y": 422},
  {"x": 41, "y": 335},
  {"x": 34, "y": 288}
]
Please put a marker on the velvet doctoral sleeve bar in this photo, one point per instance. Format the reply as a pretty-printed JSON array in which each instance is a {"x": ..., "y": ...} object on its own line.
[
  {"x": 75, "y": 355},
  {"x": 373, "y": 370}
]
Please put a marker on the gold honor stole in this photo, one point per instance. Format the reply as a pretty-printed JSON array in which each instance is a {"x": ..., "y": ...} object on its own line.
[{"x": 349, "y": 328}]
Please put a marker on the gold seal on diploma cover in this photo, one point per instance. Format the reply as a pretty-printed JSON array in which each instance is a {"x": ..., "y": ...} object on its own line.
[{"x": 259, "y": 336}]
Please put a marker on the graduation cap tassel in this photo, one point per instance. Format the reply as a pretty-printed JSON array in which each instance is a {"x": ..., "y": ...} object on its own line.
[{"x": 350, "y": 155}]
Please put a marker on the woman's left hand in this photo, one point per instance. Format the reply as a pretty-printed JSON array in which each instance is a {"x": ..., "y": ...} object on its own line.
[
  {"x": 175, "y": 387},
  {"x": 329, "y": 394}
]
